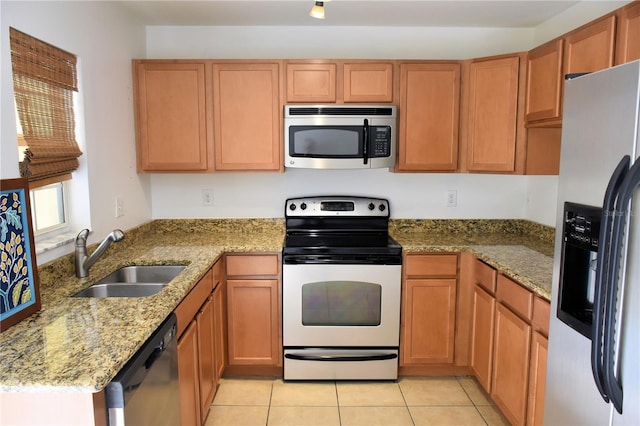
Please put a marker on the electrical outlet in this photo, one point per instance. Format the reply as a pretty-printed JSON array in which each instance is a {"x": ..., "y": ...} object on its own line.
[
  {"x": 452, "y": 198},
  {"x": 207, "y": 197},
  {"x": 118, "y": 205}
]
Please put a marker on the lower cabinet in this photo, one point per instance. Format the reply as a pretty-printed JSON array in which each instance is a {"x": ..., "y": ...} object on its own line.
[
  {"x": 484, "y": 308},
  {"x": 537, "y": 378},
  {"x": 188, "y": 372},
  {"x": 510, "y": 326},
  {"x": 207, "y": 374},
  {"x": 428, "y": 309},
  {"x": 538, "y": 363},
  {"x": 253, "y": 311},
  {"x": 199, "y": 365},
  {"x": 511, "y": 364}
]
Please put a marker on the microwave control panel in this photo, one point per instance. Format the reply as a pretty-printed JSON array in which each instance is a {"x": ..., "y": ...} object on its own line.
[{"x": 381, "y": 141}]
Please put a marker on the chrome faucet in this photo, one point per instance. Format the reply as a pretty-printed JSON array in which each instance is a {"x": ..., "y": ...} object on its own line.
[{"x": 84, "y": 262}]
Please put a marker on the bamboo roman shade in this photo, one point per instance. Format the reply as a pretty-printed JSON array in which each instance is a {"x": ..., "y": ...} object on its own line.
[{"x": 44, "y": 78}]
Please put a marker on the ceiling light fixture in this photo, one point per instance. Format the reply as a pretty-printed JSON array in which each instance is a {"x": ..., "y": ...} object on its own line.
[{"x": 317, "y": 11}]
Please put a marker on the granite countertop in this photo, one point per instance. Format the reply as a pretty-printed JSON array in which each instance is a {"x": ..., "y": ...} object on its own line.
[{"x": 79, "y": 344}]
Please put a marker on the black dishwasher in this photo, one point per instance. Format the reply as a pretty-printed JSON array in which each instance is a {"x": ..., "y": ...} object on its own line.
[{"x": 146, "y": 390}]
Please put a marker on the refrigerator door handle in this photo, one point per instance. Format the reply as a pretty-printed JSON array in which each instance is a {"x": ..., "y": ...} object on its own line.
[
  {"x": 602, "y": 276},
  {"x": 625, "y": 195}
]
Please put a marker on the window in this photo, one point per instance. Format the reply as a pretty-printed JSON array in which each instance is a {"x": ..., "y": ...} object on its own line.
[
  {"x": 45, "y": 80},
  {"x": 48, "y": 208}
]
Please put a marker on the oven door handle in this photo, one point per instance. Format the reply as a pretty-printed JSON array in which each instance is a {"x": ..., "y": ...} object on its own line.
[{"x": 377, "y": 357}]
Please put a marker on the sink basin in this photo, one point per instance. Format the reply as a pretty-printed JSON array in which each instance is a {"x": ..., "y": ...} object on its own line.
[
  {"x": 121, "y": 290},
  {"x": 143, "y": 274},
  {"x": 133, "y": 281}
]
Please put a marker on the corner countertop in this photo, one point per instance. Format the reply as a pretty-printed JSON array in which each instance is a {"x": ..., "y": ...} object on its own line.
[{"x": 79, "y": 344}]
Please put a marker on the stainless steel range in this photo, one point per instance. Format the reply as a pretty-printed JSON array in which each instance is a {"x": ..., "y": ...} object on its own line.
[{"x": 341, "y": 290}]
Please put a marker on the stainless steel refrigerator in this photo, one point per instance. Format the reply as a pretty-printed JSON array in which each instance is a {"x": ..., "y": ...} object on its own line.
[{"x": 593, "y": 365}]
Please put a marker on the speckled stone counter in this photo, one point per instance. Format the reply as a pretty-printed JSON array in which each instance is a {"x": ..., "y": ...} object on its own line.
[
  {"x": 519, "y": 249},
  {"x": 79, "y": 344}
]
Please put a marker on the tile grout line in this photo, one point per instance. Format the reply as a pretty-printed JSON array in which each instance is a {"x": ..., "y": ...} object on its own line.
[
  {"x": 472, "y": 401},
  {"x": 406, "y": 404}
]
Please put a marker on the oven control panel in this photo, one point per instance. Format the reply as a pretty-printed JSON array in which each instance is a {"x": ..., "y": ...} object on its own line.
[{"x": 336, "y": 206}]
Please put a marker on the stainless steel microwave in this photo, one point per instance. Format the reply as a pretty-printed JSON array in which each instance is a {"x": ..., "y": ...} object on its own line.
[{"x": 340, "y": 136}]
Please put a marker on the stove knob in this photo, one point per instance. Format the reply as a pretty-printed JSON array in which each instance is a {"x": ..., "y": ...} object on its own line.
[
  {"x": 381, "y": 207},
  {"x": 303, "y": 206},
  {"x": 371, "y": 206},
  {"x": 292, "y": 207}
]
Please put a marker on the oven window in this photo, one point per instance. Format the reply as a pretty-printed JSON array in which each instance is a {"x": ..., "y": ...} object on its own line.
[
  {"x": 341, "y": 303},
  {"x": 317, "y": 141}
]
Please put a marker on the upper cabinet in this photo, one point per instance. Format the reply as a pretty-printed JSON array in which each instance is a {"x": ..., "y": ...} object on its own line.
[
  {"x": 247, "y": 116},
  {"x": 208, "y": 116},
  {"x": 323, "y": 81},
  {"x": 628, "y": 39},
  {"x": 367, "y": 82},
  {"x": 429, "y": 117},
  {"x": 311, "y": 82},
  {"x": 591, "y": 47},
  {"x": 172, "y": 113},
  {"x": 493, "y": 137},
  {"x": 544, "y": 82}
]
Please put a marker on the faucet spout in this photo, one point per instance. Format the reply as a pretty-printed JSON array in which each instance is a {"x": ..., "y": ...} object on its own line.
[{"x": 84, "y": 262}]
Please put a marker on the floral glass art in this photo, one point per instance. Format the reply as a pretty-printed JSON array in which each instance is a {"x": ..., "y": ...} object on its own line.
[{"x": 19, "y": 286}]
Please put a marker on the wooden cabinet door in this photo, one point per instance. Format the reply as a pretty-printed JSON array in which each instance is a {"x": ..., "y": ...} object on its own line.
[
  {"x": 429, "y": 117},
  {"x": 204, "y": 322},
  {"x": 493, "y": 107},
  {"x": 484, "y": 307},
  {"x": 429, "y": 321},
  {"x": 253, "y": 322},
  {"x": 171, "y": 116},
  {"x": 219, "y": 329},
  {"x": 544, "y": 82},
  {"x": 511, "y": 364},
  {"x": 628, "y": 39},
  {"x": 537, "y": 379},
  {"x": 590, "y": 48},
  {"x": 367, "y": 82},
  {"x": 188, "y": 373},
  {"x": 311, "y": 82},
  {"x": 247, "y": 116}
]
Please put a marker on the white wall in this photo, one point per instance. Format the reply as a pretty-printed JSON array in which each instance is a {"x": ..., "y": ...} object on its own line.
[
  {"x": 412, "y": 195},
  {"x": 105, "y": 38},
  {"x": 574, "y": 17},
  {"x": 334, "y": 42}
]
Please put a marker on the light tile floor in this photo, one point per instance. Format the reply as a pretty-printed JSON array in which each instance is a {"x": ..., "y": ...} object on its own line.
[{"x": 409, "y": 401}]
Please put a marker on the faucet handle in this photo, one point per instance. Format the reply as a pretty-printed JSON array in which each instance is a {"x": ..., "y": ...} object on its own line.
[{"x": 81, "y": 239}]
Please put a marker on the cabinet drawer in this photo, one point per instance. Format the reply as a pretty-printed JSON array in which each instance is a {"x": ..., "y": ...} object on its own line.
[
  {"x": 541, "y": 314},
  {"x": 189, "y": 306},
  {"x": 431, "y": 265},
  {"x": 515, "y": 296},
  {"x": 252, "y": 265},
  {"x": 485, "y": 276}
]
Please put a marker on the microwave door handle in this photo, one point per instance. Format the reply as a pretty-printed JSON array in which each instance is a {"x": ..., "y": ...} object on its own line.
[
  {"x": 602, "y": 277},
  {"x": 627, "y": 188},
  {"x": 365, "y": 135}
]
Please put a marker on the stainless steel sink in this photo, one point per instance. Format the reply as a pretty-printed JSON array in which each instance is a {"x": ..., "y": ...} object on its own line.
[
  {"x": 133, "y": 281},
  {"x": 143, "y": 274}
]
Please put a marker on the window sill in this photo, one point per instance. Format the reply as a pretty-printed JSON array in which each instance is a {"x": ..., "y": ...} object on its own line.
[{"x": 49, "y": 243}]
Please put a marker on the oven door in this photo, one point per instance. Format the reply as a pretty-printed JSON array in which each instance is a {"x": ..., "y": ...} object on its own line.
[{"x": 341, "y": 305}]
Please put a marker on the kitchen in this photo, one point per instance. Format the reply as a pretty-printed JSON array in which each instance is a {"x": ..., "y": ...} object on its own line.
[{"x": 109, "y": 130}]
